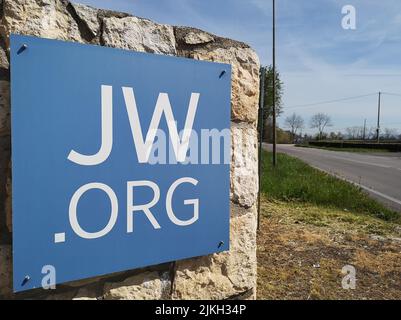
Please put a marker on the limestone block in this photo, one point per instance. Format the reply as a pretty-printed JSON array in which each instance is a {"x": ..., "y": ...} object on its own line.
[
  {"x": 244, "y": 164},
  {"x": 4, "y": 64},
  {"x": 5, "y": 271},
  {"x": 42, "y": 18},
  {"x": 193, "y": 38},
  {"x": 85, "y": 294},
  {"x": 144, "y": 286},
  {"x": 8, "y": 200},
  {"x": 137, "y": 34},
  {"x": 245, "y": 68},
  {"x": 4, "y": 108},
  {"x": 222, "y": 275},
  {"x": 89, "y": 17}
]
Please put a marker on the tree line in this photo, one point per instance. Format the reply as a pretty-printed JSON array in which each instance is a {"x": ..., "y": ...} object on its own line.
[{"x": 320, "y": 121}]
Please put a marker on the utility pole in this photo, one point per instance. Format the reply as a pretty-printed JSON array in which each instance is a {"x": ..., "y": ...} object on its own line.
[
  {"x": 261, "y": 122},
  {"x": 364, "y": 130},
  {"x": 378, "y": 118},
  {"x": 274, "y": 87}
]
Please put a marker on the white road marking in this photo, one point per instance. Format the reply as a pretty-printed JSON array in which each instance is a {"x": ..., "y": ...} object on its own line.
[
  {"x": 378, "y": 193},
  {"x": 362, "y": 162},
  {"x": 351, "y": 160}
]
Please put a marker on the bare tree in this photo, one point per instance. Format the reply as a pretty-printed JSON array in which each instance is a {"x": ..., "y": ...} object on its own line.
[
  {"x": 320, "y": 121},
  {"x": 372, "y": 133},
  {"x": 390, "y": 134},
  {"x": 354, "y": 133},
  {"x": 336, "y": 135},
  {"x": 295, "y": 123}
]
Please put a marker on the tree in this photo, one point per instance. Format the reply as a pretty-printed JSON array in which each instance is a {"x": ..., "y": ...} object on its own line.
[
  {"x": 390, "y": 134},
  {"x": 371, "y": 133},
  {"x": 336, "y": 135},
  {"x": 354, "y": 133},
  {"x": 268, "y": 99},
  {"x": 320, "y": 121},
  {"x": 295, "y": 123}
]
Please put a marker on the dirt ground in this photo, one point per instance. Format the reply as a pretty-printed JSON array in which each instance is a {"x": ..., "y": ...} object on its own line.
[{"x": 303, "y": 248}]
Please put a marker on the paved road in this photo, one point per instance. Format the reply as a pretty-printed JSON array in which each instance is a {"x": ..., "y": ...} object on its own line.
[{"x": 379, "y": 174}]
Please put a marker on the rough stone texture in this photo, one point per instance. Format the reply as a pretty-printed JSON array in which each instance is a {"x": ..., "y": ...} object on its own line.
[
  {"x": 244, "y": 164},
  {"x": 224, "y": 275},
  {"x": 88, "y": 292},
  {"x": 5, "y": 271},
  {"x": 69, "y": 295},
  {"x": 4, "y": 108},
  {"x": 145, "y": 286},
  {"x": 8, "y": 203},
  {"x": 138, "y": 34},
  {"x": 85, "y": 294},
  {"x": 4, "y": 64},
  {"x": 198, "y": 38},
  {"x": 245, "y": 69},
  {"x": 42, "y": 18},
  {"x": 229, "y": 275},
  {"x": 89, "y": 18},
  {"x": 84, "y": 282}
]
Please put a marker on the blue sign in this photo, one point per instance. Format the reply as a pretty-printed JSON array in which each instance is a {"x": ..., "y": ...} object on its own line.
[{"x": 120, "y": 160}]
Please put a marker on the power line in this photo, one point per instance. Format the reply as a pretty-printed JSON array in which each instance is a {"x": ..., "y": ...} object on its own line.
[
  {"x": 330, "y": 101},
  {"x": 391, "y": 123},
  {"x": 392, "y": 94}
]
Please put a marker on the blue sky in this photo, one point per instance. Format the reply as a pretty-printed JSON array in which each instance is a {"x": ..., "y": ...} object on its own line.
[{"x": 317, "y": 58}]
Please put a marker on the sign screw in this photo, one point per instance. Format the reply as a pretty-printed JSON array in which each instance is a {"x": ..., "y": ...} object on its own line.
[
  {"x": 221, "y": 243},
  {"x": 25, "y": 281},
  {"x": 22, "y": 49},
  {"x": 222, "y": 73}
]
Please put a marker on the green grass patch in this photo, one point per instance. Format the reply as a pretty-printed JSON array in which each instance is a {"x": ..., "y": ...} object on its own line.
[{"x": 295, "y": 181}]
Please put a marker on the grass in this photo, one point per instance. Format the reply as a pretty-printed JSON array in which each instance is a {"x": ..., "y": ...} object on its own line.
[
  {"x": 312, "y": 225},
  {"x": 302, "y": 249},
  {"x": 357, "y": 150},
  {"x": 295, "y": 181},
  {"x": 337, "y": 219}
]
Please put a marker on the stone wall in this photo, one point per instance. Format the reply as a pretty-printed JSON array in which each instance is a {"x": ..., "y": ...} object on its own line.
[{"x": 229, "y": 275}]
